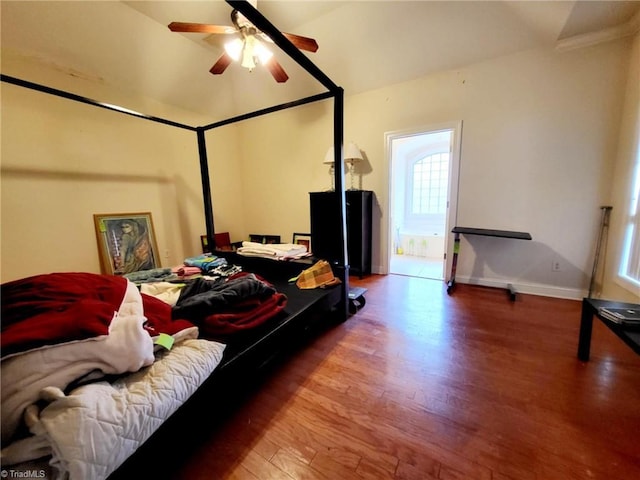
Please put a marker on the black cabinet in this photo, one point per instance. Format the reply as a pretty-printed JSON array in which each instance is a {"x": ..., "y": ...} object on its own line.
[{"x": 325, "y": 228}]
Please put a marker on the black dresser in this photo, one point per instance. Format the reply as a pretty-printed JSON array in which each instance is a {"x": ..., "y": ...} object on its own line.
[{"x": 325, "y": 228}]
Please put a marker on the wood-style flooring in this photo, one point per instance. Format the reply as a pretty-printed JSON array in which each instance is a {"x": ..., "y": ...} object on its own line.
[{"x": 423, "y": 385}]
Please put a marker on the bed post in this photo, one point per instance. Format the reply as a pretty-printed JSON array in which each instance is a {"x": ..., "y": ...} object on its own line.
[
  {"x": 206, "y": 187},
  {"x": 338, "y": 134}
]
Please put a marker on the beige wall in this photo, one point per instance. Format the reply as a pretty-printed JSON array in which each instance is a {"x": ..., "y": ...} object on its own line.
[
  {"x": 283, "y": 154},
  {"x": 227, "y": 184},
  {"x": 540, "y": 135},
  {"x": 63, "y": 161},
  {"x": 539, "y": 146}
]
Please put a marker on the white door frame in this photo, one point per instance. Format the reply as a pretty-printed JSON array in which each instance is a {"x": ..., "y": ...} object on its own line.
[{"x": 454, "y": 175}]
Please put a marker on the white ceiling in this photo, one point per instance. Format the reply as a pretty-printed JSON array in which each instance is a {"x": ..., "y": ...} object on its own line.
[{"x": 363, "y": 44}]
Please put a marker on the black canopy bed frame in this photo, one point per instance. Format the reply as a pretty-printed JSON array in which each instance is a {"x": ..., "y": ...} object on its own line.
[
  {"x": 306, "y": 310},
  {"x": 333, "y": 91}
]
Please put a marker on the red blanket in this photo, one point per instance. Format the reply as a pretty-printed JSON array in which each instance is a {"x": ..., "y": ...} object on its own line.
[
  {"x": 245, "y": 315},
  {"x": 57, "y": 308}
]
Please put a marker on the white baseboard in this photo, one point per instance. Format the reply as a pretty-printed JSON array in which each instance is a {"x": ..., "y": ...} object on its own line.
[{"x": 531, "y": 289}]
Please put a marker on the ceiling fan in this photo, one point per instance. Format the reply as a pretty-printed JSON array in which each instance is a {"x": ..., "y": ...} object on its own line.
[{"x": 249, "y": 47}]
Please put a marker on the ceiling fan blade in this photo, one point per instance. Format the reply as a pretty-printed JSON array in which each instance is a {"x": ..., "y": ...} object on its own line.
[
  {"x": 303, "y": 43},
  {"x": 276, "y": 70},
  {"x": 221, "y": 65},
  {"x": 199, "y": 28}
]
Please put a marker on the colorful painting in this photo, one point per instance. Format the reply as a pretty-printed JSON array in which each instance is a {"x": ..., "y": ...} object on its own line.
[{"x": 126, "y": 242}]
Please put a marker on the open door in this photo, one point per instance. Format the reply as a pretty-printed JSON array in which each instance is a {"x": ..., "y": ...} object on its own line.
[{"x": 423, "y": 190}]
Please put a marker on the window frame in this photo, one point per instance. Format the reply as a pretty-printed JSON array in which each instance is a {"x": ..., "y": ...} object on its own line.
[
  {"x": 630, "y": 235},
  {"x": 416, "y": 219}
]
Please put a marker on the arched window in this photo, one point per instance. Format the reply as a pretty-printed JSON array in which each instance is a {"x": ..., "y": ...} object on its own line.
[{"x": 430, "y": 179}]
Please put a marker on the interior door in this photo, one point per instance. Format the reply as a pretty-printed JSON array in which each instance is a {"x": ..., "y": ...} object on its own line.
[{"x": 423, "y": 178}]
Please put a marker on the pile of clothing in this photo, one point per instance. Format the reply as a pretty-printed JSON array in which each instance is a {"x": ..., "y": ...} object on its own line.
[
  {"x": 205, "y": 264},
  {"x": 221, "y": 306},
  {"x": 216, "y": 296}
]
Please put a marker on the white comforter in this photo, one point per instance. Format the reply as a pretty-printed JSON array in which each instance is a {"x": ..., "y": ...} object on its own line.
[{"x": 93, "y": 430}]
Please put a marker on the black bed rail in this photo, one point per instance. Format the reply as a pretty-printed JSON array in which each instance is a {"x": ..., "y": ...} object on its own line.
[
  {"x": 90, "y": 101},
  {"x": 336, "y": 92}
]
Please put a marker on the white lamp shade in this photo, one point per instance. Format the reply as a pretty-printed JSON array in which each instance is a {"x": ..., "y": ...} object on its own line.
[
  {"x": 329, "y": 157},
  {"x": 352, "y": 153}
]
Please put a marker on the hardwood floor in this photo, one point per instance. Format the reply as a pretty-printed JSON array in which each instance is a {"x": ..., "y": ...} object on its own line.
[{"x": 423, "y": 385}]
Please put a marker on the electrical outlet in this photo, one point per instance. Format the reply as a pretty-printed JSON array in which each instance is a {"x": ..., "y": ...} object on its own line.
[
  {"x": 166, "y": 254},
  {"x": 556, "y": 266}
]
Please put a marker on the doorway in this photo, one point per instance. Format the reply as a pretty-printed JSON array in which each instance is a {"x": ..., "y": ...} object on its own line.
[{"x": 423, "y": 174}]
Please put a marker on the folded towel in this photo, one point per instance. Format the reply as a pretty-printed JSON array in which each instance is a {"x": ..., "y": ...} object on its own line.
[
  {"x": 276, "y": 250},
  {"x": 205, "y": 262},
  {"x": 186, "y": 271}
]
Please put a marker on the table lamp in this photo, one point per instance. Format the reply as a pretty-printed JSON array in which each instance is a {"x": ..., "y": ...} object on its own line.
[
  {"x": 330, "y": 160},
  {"x": 352, "y": 155}
]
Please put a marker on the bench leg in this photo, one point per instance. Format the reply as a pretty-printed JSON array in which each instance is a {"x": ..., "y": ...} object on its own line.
[
  {"x": 586, "y": 327},
  {"x": 454, "y": 263}
]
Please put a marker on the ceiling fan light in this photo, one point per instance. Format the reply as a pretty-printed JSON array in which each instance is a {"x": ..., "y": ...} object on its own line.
[
  {"x": 262, "y": 52},
  {"x": 234, "y": 48},
  {"x": 248, "y": 53}
]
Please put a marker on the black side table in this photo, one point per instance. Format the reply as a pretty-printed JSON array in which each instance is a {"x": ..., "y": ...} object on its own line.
[{"x": 590, "y": 308}]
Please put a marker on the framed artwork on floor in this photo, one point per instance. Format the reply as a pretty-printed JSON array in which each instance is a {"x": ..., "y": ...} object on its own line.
[
  {"x": 126, "y": 242},
  {"x": 204, "y": 242},
  {"x": 266, "y": 239},
  {"x": 302, "y": 239},
  {"x": 221, "y": 241}
]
